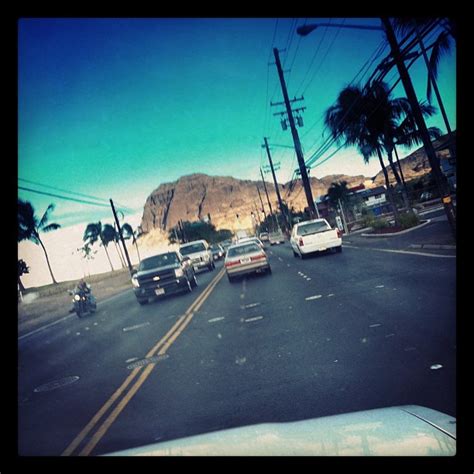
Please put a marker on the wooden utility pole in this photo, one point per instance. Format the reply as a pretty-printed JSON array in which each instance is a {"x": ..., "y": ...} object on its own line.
[
  {"x": 420, "y": 123},
  {"x": 296, "y": 139},
  {"x": 268, "y": 199},
  {"x": 280, "y": 202}
]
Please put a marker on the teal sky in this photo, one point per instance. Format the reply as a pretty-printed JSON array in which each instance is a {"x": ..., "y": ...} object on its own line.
[{"x": 114, "y": 107}]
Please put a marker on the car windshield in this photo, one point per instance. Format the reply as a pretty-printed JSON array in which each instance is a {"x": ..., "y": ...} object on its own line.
[
  {"x": 243, "y": 249},
  {"x": 312, "y": 228},
  {"x": 158, "y": 261},
  {"x": 192, "y": 248},
  {"x": 250, "y": 264}
]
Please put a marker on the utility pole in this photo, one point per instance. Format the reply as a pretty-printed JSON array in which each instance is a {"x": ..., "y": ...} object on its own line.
[
  {"x": 261, "y": 202},
  {"x": 280, "y": 202},
  {"x": 296, "y": 139},
  {"x": 130, "y": 268},
  {"x": 421, "y": 125},
  {"x": 268, "y": 199}
]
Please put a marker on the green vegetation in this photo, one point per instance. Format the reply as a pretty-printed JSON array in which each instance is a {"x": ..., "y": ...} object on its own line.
[
  {"x": 189, "y": 231},
  {"x": 29, "y": 227}
]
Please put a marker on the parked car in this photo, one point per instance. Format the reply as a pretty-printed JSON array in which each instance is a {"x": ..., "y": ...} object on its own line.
[
  {"x": 244, "y": 258},
  {"x": 200, "y": 254},
  {"x": 314, "y": 236},
  {"x": 218, "y": 251},
  {"x": 163, "y": 274},
  {"x": 276, "y": 237}
]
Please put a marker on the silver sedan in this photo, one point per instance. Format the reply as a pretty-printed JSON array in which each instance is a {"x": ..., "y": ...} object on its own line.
[{"x": 244, "y": 258}]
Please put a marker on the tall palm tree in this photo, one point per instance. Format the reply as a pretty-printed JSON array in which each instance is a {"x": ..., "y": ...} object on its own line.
[
  {"x": 129, "y": 233},
  {"x": 442, "y": 45},
  {"x": 94, "y": 232},
  {"x": 30, "y": 226},
  {"x": 356, "y": 120}
]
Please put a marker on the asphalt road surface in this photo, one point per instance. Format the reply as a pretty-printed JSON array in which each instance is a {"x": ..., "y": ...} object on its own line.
[{"x": 331, "y": 334}]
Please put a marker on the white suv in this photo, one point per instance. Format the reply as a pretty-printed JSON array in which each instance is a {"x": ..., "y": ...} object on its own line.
[{"x": 200, "y": 254}]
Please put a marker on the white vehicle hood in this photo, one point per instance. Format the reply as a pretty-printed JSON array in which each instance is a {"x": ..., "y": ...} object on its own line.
[{"x": 397, "y": 431}]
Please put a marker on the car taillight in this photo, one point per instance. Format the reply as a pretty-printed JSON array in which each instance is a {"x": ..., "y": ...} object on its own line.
[
  {"x": 339, "y": 234},
  {"x": 231, "y": 264},
  {"x": 301, "y": 243},
  {"x": 258, "y": 257}
]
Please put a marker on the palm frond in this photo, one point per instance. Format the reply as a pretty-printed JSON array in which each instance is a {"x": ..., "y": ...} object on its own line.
[
  {"x": 51, "y": 227},
  {"x": 45, "y": 218},
  {"x": 441, "y": 46}
]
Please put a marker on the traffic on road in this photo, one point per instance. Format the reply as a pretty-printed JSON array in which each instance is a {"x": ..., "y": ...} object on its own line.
[{"x": 212, "y": 354}]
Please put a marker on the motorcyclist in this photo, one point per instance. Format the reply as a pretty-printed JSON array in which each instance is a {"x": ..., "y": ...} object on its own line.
[{"x": 83, "y": 287}]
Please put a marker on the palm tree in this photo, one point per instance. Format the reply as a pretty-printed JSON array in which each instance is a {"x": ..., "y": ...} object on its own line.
[
  {"x": 94, "y": 232},
  {"x": 355, "y": 120},
  {"x": 30, "y": 226},
  {"x": 442, "y": 44},
  {"x": 129, "y": 233}
]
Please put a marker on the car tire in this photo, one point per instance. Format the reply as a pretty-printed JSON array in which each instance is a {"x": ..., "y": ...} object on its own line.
[
  {"x": 269, "y": 270},
  {"x": 339, "y": 249},
  {"x": 142, "y": 302},
  {"x": 231, "y": 279},
  {"x": 303, "y": 256},
  {"x": 295, "y": 254}
]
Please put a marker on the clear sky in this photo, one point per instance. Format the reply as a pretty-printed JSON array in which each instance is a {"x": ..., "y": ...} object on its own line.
[{"x": 113, "y": 107}]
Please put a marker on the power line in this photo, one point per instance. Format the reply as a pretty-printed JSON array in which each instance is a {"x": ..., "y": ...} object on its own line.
[
  {"x": 67, "y": 198},
  {"x": 62, "y": 190}
]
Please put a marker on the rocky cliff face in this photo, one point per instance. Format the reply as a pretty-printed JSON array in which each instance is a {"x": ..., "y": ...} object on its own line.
[{"x": 193, "y": 197}]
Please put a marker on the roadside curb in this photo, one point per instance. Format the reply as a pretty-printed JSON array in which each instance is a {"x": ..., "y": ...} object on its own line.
[
  {"x": 433, "y": 246},
  {"x": 398, "y": 233}
]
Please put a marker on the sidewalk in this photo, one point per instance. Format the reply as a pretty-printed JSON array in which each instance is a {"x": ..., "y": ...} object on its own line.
[{"x": 434, "y": 236}]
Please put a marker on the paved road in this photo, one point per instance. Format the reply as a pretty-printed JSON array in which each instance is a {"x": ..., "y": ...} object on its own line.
[{"x": 331, "y": 334}]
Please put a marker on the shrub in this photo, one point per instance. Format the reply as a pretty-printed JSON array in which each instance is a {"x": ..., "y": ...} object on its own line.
[{"x": 410, "y": 219}]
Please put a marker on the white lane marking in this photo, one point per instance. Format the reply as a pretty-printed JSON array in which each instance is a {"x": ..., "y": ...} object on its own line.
[
  {"x": 330, "y": 294},
  {"x": 379, "y": 286},
  {"x": 251, "y": 305},
  {"x": 374, "y": 325},
  {"x": 390, "y": 335},
  {"x": 404, "y": 252},
  {"x": 240, "y": 360},
  {"x": 131, "y": 328},
  {"x": 308, "y": 278},
  {"x": 281, "y": 260},
  {"x": 315, "y": 297},
  {"x": 250, "y": 320},
  {"x": 288, "y": 265},
  {"x": 214, "y": 320},
  {"x": 436, "y": 367},
  {"x": 133, "y": 359}
]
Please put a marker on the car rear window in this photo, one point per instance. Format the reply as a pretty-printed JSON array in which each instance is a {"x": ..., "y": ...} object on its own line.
[
  {"x": 158, "y": 261},
  {"x": 243, "y": 249},
  {"x": 312, "y": 228},
  {"x": 192, "y": 248}
]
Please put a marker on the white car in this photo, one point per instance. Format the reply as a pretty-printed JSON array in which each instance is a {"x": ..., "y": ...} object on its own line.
[
  {"x": 314, "y": 236},
  {"x": 200, "y": 254}
]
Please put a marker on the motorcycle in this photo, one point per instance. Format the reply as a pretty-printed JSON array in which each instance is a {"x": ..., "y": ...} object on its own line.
[{"x": 84, "y": 302}]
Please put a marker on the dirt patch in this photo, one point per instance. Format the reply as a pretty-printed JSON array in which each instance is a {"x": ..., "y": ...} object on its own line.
[{"x": 45, "y": 305}]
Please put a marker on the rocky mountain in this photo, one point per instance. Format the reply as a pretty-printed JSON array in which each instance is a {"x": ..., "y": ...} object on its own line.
[
  {"x": 416, "y": 164},
  {"x": 196, "y": 196},
  {"x": 223, "y": 198}
]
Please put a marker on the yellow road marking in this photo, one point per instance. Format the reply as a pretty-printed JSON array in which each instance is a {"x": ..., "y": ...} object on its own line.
[{"x": 164, "y": 343}]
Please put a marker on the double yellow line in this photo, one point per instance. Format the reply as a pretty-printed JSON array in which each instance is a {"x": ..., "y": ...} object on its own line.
[{"x": 160, "y": 348}]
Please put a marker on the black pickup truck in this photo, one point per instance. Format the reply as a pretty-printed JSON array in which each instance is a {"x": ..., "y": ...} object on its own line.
[{"x": 163, "y": 274}]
